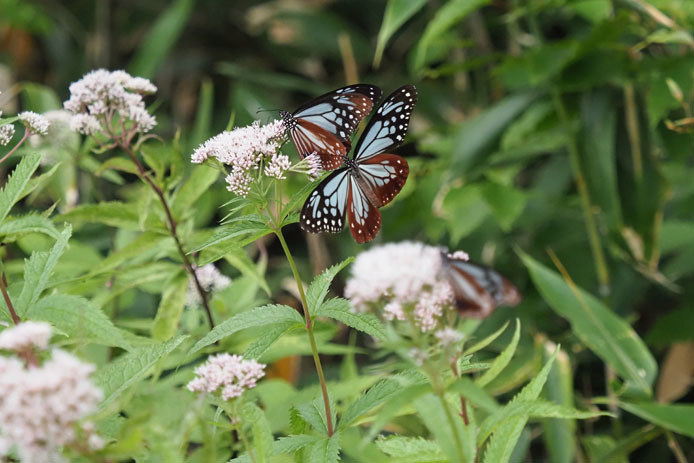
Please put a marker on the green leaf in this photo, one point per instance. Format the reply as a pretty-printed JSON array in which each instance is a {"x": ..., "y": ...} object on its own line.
[
  {"x": 530, "y": 409},
  {"x": 675, "y": 417},
  {"x": 559, "y": 389},
  {"x": 502, "y": 360},
  {"x": 200, "y": 181},
  {"x": 239, "y": 259},
  {"x": 267, "y": 338},
  {"x": 446, "y": 17},
  {"x": 467, "y": 388},
  {"x": 341, "y": 310},
  {"x": 117, "y": 163},
  {"x": 397, "y": 13},
  {"x": 479, "y": 345},
  {"x": 143, "y": 244},
  {"x": 262, "y": 436},
  {"x": 326, "y": 450},
  {"x": 131, "y": 368},
  {"x": 538, "y": 64},
  {"x": 79, "y": 319},
  {"x": 202, "y": 127},
  {"x": 414, "y": 449},
  {"x": 161, "y": 39},
  {"x": 112, "y": 213},
  {"x": 431, "y": 411},
  {"x": 375, "y": 396},
  {"x": 504, "y": 439},
  {"x": 37, "y": 272},
  {"x": 226, "y": 234},
  {"x": 399, "y": 403},
  {"x": 319, "y": 287},
  {"x": 313, "y": 413},
  {"x": 506, "y": 202},
  {"x": 606, "y": 334},
  {"x": 299, "y": 198},
  {"x": 16, "y": 182},
  {"x": 170, "y": 308},
  {"x": 259, "y": 316},
  {"x": 30, "y": 223},
  {"x": 479, "y": 131}
]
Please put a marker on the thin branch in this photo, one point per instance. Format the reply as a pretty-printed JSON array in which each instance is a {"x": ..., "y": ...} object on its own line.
[
  {"x": 21, "y": 142},
  {"x": 3, "y": 287}
]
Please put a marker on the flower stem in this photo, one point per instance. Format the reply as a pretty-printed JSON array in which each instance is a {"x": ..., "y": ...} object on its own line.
[
  {"x": 125, "y": 146},
  {"x": 309, "y": 330},
  {"x": 21, "y": 142},
  {"x": 3, "y": 287}
]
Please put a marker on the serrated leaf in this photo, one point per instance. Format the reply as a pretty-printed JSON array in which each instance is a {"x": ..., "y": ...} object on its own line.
[
  {"x": 530, "y": 409},
  {"x": 30, "y": 223},
  {"x": 326, "y": 450},
  {"x": 413, "y": 448},
  {"x": 319, "y": 287},
  {"x": 432, "y": 413},
  {"x": 472, "y": 392},
  {"x": 240, "y": 260},
  {"x": 504, "y": 440},
  {"x": 397, "y": 13},
  {"x": 375, "y": 396},
  {"x": 111, "y": 213},
  {"x": 228, "y": 234},
  {"x": 262, "y": 436},
  {"x": 16, "y": 182},
  {"x": 170, "y": 308},
  {"x": 400, "y": 402},
  {"x": 79, "y": 319},
  {"x": 37, "y": 272},
  {"x": 260, "y": 316},
  {"x": 502, "y": 360},
  {"x": 313, "y": 413},
  {"x": 130, "y": 368},
  {"x": 268, "y": 337},
  {"x": 604, "y": 332},
  {"x": 137, "y": 248},
  {"x": 340, "y": 309}
]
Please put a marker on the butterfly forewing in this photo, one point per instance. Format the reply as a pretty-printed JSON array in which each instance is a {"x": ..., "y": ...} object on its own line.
[
  {"x": 385, "y": 174},
  {"x": 324, "y": 210},
  {"x": 388, "y": 127}
]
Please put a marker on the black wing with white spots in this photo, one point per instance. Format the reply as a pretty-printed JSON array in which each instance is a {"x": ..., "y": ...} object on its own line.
[
  {"x": 325, "y": 208},
  {"x": 388, "y": 127}
]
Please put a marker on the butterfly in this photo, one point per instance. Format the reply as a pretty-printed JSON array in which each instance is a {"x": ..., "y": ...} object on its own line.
[
  {"x": 478, "y": 290},
  {"x": 324, "y": 125},
  {"x": 369, "y": 180}
]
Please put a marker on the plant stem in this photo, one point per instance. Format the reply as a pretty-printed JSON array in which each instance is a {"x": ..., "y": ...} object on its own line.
[
  {"x": 21, "y": 142},
  {"x": 591, "y": 227},
  {"x": 463, "y": 405},
  {"x": 451, "y": 422},
  {"x": 246, "y": 444},
  {"x": 172, "y": 227},
  {"x": 309, "y": 330},
  {"x": 3, "y": 287}
]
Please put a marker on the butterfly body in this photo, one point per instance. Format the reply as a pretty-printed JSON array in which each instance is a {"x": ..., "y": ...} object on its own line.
[
  {"x": 369, "y": 180},
  {"x": 325, "y": 124},
  {"x": 478, "y": 290}
]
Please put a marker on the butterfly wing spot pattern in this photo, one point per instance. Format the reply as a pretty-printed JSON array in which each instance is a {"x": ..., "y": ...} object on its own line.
[{"x": 371, "y": 179}]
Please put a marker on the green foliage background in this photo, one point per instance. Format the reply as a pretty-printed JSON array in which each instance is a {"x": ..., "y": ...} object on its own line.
[{"x": 550, "y": 141}]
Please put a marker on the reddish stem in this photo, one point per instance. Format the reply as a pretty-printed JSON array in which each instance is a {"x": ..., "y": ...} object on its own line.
[
  {"x": 3, "y": 287},
  {"x": 26, "y": 135},
  {"x": 463, "y": 404}
]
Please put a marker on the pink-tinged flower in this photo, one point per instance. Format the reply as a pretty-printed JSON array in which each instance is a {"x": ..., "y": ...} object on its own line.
[
  {"x": 6, "y": 134},
  {"x": 244, "y": 150},
  {"x": 230, "y": 375},
  {"x": 26, "y": 335},
  {"x": 407, "y": 277},
  {"x": 459, "y": 255},
  {"x": 41, "y": 406},
  {"x": 100, "y": 95},
  {"x": 35, "y": 123},
  {"x": 211, "y": 280},
  {"x": 315, "y": 166}
]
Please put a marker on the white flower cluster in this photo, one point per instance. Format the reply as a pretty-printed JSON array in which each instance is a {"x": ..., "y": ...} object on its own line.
[
  {"x": 232, "y": 373},
  {"x": 97, "y": 97},
  {"x": 245, "y": 149},
  {"x": 407, "y": 277},
  {"x": 35, "y": 123},
  {"x": 211, "y": 280},
  {"x": 41, "y": 405},
  {"x": 6, "y": 133}
]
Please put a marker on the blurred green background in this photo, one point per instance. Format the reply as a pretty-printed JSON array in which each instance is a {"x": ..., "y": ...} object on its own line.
[{"x": 547, "y": 126}]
